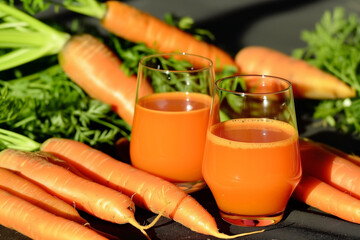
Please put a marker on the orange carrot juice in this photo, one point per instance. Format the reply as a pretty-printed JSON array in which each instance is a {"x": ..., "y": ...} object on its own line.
[
  {"x": 252, "y": 166},
  {"x": 168, "y": 135}
]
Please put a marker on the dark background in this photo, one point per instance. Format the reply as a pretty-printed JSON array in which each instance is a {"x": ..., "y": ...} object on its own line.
[{"x": 235, "y": 24}]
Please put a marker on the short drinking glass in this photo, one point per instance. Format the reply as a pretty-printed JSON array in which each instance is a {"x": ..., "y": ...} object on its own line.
[
  {"x": 169, "y": 127},
  {"x": 251, "y": 159}
]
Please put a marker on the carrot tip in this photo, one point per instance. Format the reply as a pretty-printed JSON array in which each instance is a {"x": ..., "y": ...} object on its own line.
[{"x": 225, "y": 236}]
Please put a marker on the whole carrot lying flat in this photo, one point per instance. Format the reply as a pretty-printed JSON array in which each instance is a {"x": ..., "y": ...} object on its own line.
[
  {"x": 322, "y": 196},
  {"x": 146, "y": 190},
  {"x": 137, "y": 26},
  {"x": 331, "y": 182},
  {"x": 307, "y": 80},
  {"x": 36, "y": 223},
  {"x": 330, "y": 167},
  {"x": 96, "y": 199},
  {"x": 23, "y": 188}
]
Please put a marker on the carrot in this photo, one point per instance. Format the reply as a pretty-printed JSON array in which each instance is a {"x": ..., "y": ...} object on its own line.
[
  {"x": 85, "y": 59},
  {"x": 328, "y": 199},
  {"x": 307, "y": 80},
  {"x": 351, "y": 157},
  {"x": 330, "y": 168},
  {"x": 59, "y": 162},
  {"x": 36, "y": 223},
  {"x": 93, "y": 198},
  {"x": 146, "y": 190},
  {"x": 23, "y": 188},
  {"x": 137, "y": 26},
  {"x": 96, "y": 69}
]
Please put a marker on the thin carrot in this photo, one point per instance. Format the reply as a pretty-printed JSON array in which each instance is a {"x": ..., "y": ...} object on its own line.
[
  {"x": 36, "y": 223},
  {"x": 328, "y": 199},
  {"x": 330, "y": 168},
  {"x": 93, "y": 198},
  {"x": 23, "y": 188},
  {"x": 308, "y": 81},
  {"x": 96, "y": 69},
  {"x": 146, "y": 190}
]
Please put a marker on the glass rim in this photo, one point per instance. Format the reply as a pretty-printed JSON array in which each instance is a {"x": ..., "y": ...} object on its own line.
[
  {"x": 288, "y": 88},
  {"x": 176, "y": 54}
]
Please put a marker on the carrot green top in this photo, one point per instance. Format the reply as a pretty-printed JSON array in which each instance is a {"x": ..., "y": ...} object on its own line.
[{"x": 28, "y": 38}]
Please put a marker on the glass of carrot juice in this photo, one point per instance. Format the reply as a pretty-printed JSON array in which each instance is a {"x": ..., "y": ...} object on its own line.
[
  {"x": 251, "y": 159},
  {"x": 169, "y": 126}
]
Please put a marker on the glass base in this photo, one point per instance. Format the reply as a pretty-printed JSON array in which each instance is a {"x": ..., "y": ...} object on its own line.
[
  {"x": 251, "y": 221},
  {"x": 190, "y": 187}
]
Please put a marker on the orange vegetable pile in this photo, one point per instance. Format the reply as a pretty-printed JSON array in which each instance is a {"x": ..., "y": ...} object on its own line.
[{"x": 331, "y": 180}]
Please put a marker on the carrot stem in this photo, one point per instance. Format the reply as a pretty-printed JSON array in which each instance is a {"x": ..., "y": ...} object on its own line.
[
  {"x": 14, "y": 140},
  {"x": 30, "y": 38}
]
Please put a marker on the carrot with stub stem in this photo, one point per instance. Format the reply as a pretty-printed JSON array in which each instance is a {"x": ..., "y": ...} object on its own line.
[
  {"x": 328, "y": 199},
  {"x": 138, "y": 26},
  {"x": 84, "y": 58},
  {"x": 36, "y": 223},
  {"x": 23, "y": 188},
  {"x": 330, "y": 167},
  {"x": 91, "y": 197},
  {"x": 96, "y": 69},
  {"x": 307, "y": 80},
  {"x": 147, "y": 191}
]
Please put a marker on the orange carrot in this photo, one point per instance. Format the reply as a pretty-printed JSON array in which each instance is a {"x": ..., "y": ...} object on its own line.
[
  {"x": 96, "y": 69},
  {"x": 93, "y": 198},
  {"x": 146, "y": 190},
  {"x": 36, "y": 223},
  {"x": 328, "y": 199},
  {"x": 60, "y": 162},
  {"x": 330, "y": 168},
  {"x": 138, "y": 26},
  {"x": 308, "y": 81},
  {"x": 23, "y": 188},
  {"x": 351, "y": 157}
]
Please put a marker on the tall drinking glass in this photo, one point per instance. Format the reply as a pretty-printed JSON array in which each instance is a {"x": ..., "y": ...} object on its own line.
[
  {"x": 251, "y": 159},
  {"x": 169, "y": 126}
]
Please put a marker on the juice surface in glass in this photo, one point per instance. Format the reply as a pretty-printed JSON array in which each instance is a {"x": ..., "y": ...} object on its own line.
[
  {"x": 252, "y": 165},
  {"x": 168, "y": 135}
]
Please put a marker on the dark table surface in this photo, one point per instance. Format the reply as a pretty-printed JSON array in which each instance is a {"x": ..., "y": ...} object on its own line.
[{"x": 238, "y": 23}]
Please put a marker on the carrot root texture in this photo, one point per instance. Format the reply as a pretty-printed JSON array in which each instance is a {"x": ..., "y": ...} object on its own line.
[
  {"x": 36, "y": 223},
  {"x": 307, "y": 80},
  {"x": 96, "y": 69},
  {"x": 329, "y": 167},
  {"x": 328, "y": 199},
  {"x": 91, "y": 197},
  {"x": 147, "y": 191},
  {"x": 138, "y": 26},
  {"x": 23, "y": 188}
]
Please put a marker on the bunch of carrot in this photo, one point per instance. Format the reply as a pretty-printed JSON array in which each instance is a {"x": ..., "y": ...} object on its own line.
[
  {"x": 331, "y": 180},
  {"x": 93, "y": 182},
  {"x": 137, "y": 26},
  {"x": 39, "y": 191}
]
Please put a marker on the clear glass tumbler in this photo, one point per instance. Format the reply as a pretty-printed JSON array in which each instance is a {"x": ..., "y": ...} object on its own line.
[
  {"x": 169, "y": 127},
  {"x": 251, "y": 159}
]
